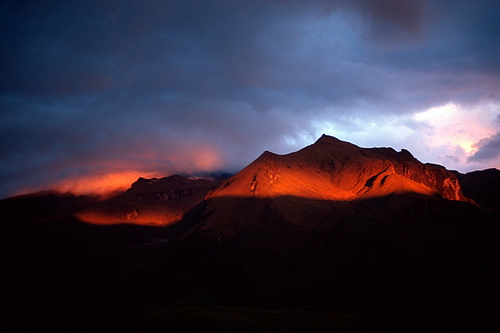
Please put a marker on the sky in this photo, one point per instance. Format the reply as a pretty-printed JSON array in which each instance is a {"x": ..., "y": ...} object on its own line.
[{"x": 96, "y": 93}]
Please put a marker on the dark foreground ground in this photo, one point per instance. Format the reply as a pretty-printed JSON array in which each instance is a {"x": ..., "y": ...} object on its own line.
[
  {"x": 60, "y": 275},
  {"x": 248, "y": 319}
]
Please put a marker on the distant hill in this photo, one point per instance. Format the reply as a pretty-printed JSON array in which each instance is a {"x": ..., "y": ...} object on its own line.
[{"x": 151, "y": 202}]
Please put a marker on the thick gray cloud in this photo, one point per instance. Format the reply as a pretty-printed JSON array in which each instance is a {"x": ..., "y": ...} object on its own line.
[
  {"x": 488, "y": 149},
  {"x": 96, "y": 86}
]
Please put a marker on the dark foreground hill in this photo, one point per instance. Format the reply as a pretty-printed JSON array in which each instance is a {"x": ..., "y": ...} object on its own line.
[
  {"x": 482, "y": 186},
  {"x": 332, "y": 237}
]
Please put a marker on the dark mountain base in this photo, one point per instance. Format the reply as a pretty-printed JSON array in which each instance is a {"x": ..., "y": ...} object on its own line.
[
  {"x": 401, "y": 250},
  {"x": 400, "y": 263},
  {"x": 250, "y": 319}
]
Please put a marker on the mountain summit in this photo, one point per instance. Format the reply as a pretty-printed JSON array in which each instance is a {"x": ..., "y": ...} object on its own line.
[{"x": 332, "y": 169}]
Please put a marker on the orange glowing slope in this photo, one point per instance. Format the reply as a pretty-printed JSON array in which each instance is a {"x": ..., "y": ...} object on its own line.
[
  {"x": 150, "y": 202},
  {"x": 286, "y": 197},
  {"x": 332, "y": 169}
]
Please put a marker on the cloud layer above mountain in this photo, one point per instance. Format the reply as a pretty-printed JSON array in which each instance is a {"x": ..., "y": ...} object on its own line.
[{"x": 90, "y": 89}]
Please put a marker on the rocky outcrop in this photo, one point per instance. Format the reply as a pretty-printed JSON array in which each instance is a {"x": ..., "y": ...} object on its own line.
[{"x": 168, "y": 188}]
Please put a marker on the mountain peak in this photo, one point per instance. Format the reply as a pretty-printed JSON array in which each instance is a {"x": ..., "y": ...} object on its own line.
[
  {"x": 332, "y": 169},
  {"x": 332, "y": 141},
  {"x": 324, "y": 138}
]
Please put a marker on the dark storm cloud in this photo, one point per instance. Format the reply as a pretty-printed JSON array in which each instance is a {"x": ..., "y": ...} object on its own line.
[
  {"x": 100, "y": 85},
  {"x": 488, "y": 149}
]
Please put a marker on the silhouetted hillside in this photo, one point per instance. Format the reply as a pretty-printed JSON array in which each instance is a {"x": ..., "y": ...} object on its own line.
[{"x": 482, "y": 186}]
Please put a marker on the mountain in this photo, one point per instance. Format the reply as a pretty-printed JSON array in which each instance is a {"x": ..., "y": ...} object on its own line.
[
  {"x": 278, "y": 202},
  {"x": 335, "y": 223},
  {"x": 153, "y": 201},
  {"x": 331, "y": 169},
  {"x": 300, "y": 191},
  {"x": 333, "y": 234}
]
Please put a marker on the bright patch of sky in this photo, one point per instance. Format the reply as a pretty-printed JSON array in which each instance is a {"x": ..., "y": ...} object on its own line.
[{"x": 446, "y": 134}]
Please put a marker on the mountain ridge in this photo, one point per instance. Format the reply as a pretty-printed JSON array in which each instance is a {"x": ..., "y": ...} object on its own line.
[{"x": 338, "y": 170}]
